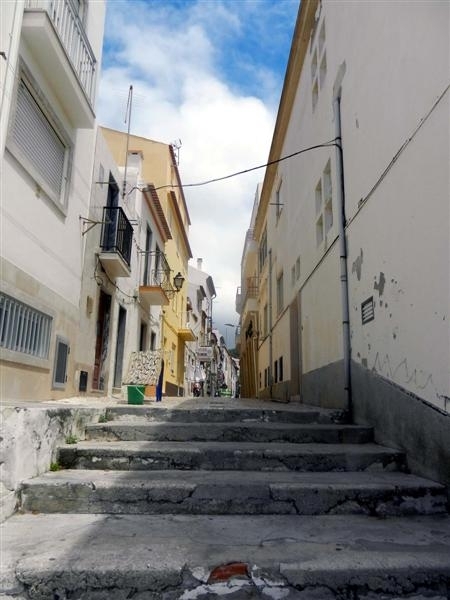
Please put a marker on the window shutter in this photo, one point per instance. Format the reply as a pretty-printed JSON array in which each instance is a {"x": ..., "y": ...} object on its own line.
[
  {"x": 61, "y": 356},
  {"x": 38, "y": 141}
]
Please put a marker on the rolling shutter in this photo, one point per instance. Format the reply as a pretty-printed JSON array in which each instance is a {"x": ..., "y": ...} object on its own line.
[{"x": 38, "y": 141}]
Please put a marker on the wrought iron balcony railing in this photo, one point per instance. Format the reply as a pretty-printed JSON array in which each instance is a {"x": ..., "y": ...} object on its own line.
[
  {"x": 117, "y": 233},
  {"x": 157, "y": 272},
  {"x": 70, "y": 30}
]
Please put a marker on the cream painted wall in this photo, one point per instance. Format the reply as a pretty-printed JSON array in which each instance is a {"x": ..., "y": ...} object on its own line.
[
  {"x": 157, "y": 168},
  {"x": 396, "y": 64}
]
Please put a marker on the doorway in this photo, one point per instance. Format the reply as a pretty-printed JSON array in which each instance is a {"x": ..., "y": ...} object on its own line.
[
  {"x": 101, "y": 341},
  {"x": 118, "y": 367}
]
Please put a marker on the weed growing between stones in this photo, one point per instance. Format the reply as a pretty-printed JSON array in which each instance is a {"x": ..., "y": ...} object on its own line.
[{"x": 71, "y": 439}]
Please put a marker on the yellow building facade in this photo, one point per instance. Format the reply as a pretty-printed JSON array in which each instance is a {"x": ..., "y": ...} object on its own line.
[{"x": 159, "y": 169}]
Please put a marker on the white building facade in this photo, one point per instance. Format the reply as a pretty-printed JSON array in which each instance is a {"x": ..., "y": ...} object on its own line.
[
  {"x": 354, "y": 276},
  {"x": 198, "y": 354},
  {"x": 126, "y": 279},
  {"x": 49, "y": 79}
]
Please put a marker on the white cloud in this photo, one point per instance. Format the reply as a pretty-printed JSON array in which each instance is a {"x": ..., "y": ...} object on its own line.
[{"x": 169, "y": 59}]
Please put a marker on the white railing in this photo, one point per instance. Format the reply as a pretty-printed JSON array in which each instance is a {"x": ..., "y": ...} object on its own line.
[{"x": 72, "y": 35}]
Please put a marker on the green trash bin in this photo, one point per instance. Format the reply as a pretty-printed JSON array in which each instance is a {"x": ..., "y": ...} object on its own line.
[{"x": 136, "y": 394}]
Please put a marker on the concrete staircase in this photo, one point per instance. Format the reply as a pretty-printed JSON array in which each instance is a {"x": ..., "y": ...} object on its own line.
[{"x": 223, "y": 500}]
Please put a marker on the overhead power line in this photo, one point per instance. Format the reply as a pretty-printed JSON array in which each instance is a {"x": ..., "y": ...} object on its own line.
[{"x": 334, "y": 142}]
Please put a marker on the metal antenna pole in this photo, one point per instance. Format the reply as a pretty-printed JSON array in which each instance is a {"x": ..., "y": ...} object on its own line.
[{"x": 127, "y": 114}]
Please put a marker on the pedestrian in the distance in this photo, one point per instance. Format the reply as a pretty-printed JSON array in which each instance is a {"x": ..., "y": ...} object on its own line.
[{"x": 160, "y": 383}]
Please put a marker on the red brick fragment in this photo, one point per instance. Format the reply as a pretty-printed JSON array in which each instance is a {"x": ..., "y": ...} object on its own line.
[{"x": 225, "y": 572}]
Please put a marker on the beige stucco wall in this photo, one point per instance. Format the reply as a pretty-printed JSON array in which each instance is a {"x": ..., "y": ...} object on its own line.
[{"x": 392, "y": 71}]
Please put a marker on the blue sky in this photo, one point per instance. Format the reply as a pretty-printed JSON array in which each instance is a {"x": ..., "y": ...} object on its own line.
[{"x": 208, "y": 72}]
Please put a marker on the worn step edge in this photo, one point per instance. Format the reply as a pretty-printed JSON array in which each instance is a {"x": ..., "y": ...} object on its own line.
[
  {"x": 231, "y": 492},
  {"x": 229, "y": 456},
  {"x": 219, "y": 414},
  {"x": 91, "y": 553},
  {"x": 227, "y": 431}
]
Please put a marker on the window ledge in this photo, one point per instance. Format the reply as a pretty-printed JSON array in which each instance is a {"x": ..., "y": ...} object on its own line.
[{"x": 11, "y": 356}]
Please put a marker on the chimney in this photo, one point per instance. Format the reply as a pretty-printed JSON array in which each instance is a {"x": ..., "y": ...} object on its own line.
[{"x": 199, "y": 263}]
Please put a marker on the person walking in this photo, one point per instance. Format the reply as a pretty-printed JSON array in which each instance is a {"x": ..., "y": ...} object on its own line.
[{"x": 160, "y": 383}]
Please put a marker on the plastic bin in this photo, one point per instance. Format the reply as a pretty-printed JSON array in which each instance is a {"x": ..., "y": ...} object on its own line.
[{"x": 136, "y": 394}]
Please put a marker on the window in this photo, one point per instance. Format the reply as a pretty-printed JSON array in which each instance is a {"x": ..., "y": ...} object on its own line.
[
  {"x": 278, "y": 201},
  {"x": 280, "y": 294},
  {"x": 297, "y": 268},
  {"x": 293, "y": 276},
  {"x": 143, "y": 337},
  {"x": 280, "y": 369},
  {"x": 265, "y": 320},
  {"x": 275, "y": 371},
  {"x": 39, "y": 143},
  {"x": 61, "y": 357},
  {"x": 324, "y": 205},
  {"x": 318, "y": 66},
  {"x": 147, "y": 278},
  {"x": 323, "y": 70},
  {"x": 263, "y": 250},
  {"x": 23, "y": 328},
  {"x": 327, "y": 197},
  {"x": 322, "y": 37}
]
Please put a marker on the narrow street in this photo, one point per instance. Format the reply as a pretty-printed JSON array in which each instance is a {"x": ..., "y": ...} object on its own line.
[{"x": 211, "y": 498}]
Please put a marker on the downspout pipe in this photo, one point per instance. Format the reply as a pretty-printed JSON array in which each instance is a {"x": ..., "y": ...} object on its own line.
[
  {"x": 340, "y": 209},
  {"x": 270, "y": 324}
]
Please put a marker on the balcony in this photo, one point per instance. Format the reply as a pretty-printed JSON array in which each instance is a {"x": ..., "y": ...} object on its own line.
[
  {"x": 116, "y": 242},
  {"x": 185, "y": 332},
  {"x": 249, "y": 294},
  {"x": 156, "y": 289},
  {"x": 55, "y": 35}
]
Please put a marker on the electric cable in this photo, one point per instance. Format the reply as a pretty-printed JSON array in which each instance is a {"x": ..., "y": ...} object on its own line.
[{"x": 331, "y": 143}]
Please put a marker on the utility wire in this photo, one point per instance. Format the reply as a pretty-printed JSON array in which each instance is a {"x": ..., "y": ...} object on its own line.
[
  {"x": 396, "y": 156},
  {"x": 333, "y": 142}
]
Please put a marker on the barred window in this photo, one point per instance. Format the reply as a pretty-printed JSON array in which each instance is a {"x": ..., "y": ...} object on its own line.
[{"x": 23, "y": 328}]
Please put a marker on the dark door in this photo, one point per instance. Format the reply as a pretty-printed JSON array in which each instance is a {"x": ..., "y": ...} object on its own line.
[
  {"x": 101, "y": 342},
  {"x": 119, "y": 347}
]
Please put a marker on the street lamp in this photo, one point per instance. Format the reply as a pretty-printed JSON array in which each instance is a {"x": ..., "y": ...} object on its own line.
[{"x": 178, "y": 281}]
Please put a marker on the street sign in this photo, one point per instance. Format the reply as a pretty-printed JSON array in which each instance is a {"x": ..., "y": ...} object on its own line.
[{"x": 204, "y": 353}]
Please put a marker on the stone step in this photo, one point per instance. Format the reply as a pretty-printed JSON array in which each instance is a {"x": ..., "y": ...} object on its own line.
[
  {"x": 228, "y": 432},
  {"x": 226, "y": 456},
  {"x": 168, "y": 557},
  {"x": 232, "y": 492},
  {"x": 215, "y": 412}
]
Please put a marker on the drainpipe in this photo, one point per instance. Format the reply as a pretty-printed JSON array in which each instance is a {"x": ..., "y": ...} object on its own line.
[
  {"x": 340, "y": 209},
  {"x": 270, "y": 323}
]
